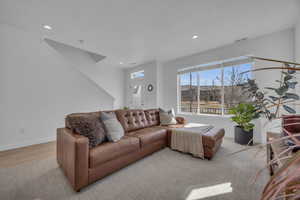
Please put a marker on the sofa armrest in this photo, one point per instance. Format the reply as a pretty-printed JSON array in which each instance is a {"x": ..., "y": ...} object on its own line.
[
  {"x": 181, "y": 120},
  {"x": 72, "y": 156}
]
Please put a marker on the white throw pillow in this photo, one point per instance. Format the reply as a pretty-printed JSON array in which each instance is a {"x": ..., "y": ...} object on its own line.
[
  {"x": 167, "y": 117},
  {"x": 114, "y": 129}
]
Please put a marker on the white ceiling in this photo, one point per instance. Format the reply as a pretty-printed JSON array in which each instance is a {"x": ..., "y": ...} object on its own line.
[{"x": 142, "y": 30}]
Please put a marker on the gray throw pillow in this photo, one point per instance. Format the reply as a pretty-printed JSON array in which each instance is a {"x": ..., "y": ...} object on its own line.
[
  {"x": 114, "y": 129},
  {"x": 167, "y": 117}
]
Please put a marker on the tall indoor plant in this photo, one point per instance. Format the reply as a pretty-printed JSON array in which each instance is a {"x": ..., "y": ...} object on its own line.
[
  {"x": 285, "y": 183},
  {"x": 243, "y": 114}
]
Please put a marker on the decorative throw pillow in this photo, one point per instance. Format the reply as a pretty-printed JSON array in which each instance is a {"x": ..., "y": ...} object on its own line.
[
  {"x": 113, "y": 127},
  {"x": 89, "y": 126},
  {"x": 167, "y": 117}
]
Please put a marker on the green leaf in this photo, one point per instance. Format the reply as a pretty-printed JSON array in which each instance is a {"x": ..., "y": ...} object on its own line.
[
  {"x": 280, "y": 91},
  {"x": 244, "y": 113},
  {"x": 291, "y": 96},
  {"x": 288, "y": 77},
  {"x": 289, "y": 109},
  {"x": 292, "y": 84},
  {"x": 273, "y": 98}
]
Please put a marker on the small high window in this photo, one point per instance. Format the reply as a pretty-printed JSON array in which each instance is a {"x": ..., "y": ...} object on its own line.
[{"x": 138, "y": 74}]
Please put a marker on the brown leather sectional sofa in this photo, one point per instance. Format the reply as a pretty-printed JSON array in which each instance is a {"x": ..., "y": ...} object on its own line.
[{"x": 143, "y": 136}]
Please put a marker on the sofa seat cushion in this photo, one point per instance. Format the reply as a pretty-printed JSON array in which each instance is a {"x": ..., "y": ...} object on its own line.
[
  {"x": 150, "y": 135},
  {"x": 112, "y": 150}
]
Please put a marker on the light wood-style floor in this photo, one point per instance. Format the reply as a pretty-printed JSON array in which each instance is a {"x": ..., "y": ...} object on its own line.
[{"x": 11, "y": 158}]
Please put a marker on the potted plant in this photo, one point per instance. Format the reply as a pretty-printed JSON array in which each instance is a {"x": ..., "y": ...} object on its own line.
[{"x": 243, "y": 114}]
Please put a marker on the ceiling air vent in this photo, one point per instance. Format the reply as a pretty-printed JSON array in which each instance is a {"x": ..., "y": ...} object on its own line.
[{"x": 240, "y": 40}]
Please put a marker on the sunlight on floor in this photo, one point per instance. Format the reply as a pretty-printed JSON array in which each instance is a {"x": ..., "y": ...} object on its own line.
[{"x": 204, "y": 192}]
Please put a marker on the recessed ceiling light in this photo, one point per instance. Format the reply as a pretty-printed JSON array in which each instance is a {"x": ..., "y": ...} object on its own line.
[
  {"x": 195, "y": 36},
  {"x": 47, "y": 27},
  {"x": 121, "y": 63}
]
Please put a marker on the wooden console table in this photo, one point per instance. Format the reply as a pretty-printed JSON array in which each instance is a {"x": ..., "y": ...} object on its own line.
[{"x": 274, "y": 150}]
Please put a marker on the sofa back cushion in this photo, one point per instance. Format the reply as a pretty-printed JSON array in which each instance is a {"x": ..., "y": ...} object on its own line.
[
  {"x": 152, "y": 116},
  {"x": 167, "y": 117},
  {"x": 132, "y": 119}
]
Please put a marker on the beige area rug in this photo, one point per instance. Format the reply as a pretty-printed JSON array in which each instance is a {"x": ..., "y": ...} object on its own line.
[{"x": 166, "y": 175}]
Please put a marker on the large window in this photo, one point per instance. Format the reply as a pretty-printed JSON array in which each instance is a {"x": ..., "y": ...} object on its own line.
[{"x": 213, "y": 89}]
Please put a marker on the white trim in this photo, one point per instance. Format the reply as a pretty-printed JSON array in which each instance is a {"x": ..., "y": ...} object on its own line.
[
  {"x": 27, "y": 143},
  {"x": 206, "y": 115},
  {"x": 178, "y": 94},
  {"x": 198, "y": 92},
  {"x": 216, "y": 64},
  {"x": 223, "y": 93}
]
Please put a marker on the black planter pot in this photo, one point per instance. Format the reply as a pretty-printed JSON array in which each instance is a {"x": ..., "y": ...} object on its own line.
[{"x": 243, "y": 137}]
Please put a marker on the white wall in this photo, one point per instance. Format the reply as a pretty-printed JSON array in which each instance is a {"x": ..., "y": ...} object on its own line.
[
  {"x": 109, "y": 79},
  {"x": 297, "y": 55},
  {"x": 160, "y": 83},
  {"x": 297, "y": 42},
  {"x": 278, "y": 45},
  {"x": 39, "y": 86},
  {"x": 149, "y": 99}
]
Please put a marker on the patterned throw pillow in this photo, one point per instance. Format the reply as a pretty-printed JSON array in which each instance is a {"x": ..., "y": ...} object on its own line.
[
  {"x": 167, "y": 117},
  {"x": 89, "y": 126},
  {"x": 113, "y": 127}
]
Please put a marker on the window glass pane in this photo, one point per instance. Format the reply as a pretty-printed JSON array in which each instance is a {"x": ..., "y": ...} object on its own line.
[
  {"x": 188, "y": 92},
  {"x": 210, "y": 91},
  {"x": 139, "y": 74},
  {"x": 234, "y": 79}
]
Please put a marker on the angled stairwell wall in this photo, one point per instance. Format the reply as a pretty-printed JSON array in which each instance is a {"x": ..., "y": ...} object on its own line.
[
  {"x": 39, "y": 86},
  {"x": 107, "y": 78}
]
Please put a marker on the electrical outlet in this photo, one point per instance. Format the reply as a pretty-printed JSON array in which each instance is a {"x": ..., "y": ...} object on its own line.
[{"x": 22, "y": 130}]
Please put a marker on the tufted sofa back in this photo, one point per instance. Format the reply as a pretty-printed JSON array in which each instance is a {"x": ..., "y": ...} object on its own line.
[
  {"x": 132, "y": 119},
  {"x": 152, "y": 116},
  {"x": 78, "y": 116}
]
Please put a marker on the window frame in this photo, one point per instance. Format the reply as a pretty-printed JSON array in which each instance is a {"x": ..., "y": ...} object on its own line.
[
  {"x": 206, "y": 68},
  {"x": 137, "y": 72}
]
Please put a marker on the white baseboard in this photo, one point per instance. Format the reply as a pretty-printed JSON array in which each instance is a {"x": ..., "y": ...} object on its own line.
[{"x": 27, "y": 143}]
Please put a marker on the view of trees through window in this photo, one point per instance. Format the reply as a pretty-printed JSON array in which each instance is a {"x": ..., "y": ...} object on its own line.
[{"x": 213, "y": 91}]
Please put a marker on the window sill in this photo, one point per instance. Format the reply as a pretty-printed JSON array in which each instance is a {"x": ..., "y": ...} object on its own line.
[{"x": 205, "y": 115}]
